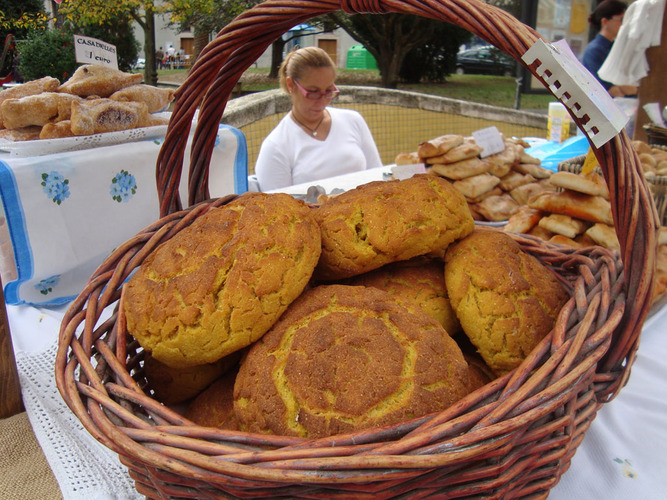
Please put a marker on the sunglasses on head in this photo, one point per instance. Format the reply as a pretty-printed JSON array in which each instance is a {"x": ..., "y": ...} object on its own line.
[{"x": 314, "y": 96}]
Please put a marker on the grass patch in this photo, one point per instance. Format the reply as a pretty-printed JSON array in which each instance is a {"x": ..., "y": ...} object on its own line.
[{"x": 485, "y": 89}]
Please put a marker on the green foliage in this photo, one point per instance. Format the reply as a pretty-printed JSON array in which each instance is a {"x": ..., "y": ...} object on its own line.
[
  {"x": 15, "y": 17},
  {"x": 436, "y": 59},
  {"x": 47, "y": 53}
]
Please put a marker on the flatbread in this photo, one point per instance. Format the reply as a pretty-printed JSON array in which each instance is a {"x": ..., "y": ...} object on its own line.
[
  {"x": 535, "y": 170},
  {"x": 604, "y": 235},
  {"x": 439, "y": 145},
  {"x": 523, "y": 220},
  {"x": 498, "y": 208},
  {"x": 591, "y": 183},
  {"x": 577, "y": 205},
  {"x": 468, "y": 149},
  {"x": 563, "y": 224},
  {"x": 462, "y": 169},
  {"x": 477, "y": 185},
  {"x": 407, "y": 158}
]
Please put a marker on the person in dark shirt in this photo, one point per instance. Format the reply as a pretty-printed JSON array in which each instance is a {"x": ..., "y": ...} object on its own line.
[{"x": 607, "y": 19}]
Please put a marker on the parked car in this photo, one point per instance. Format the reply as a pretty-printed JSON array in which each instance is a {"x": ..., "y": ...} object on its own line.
[
  {"x": 487, "y": 60},
  {"x": 140, "y": 63}
]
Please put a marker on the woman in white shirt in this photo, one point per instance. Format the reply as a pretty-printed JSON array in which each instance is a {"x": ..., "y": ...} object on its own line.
[{"x": 313, "y": 141}]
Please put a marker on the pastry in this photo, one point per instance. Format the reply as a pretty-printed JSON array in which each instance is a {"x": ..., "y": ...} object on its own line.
[
  {"x": 101, "y": 81},
  {"x": 577, "y": 205},
  {"x": 347, "y": 358},
  {"x": 156, "y": 99},
  {"x": 20, "y": 134},
  {"x": 37, "y": 109},
  {"x": 462, "y": 169},
  {"x": 45, "y": 84},
  {"x": 438, "y": 146},
  {"x": 105, "y": 115}
]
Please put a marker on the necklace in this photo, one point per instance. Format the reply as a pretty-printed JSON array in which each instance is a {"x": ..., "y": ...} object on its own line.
[{"x": 313, "y": 131}]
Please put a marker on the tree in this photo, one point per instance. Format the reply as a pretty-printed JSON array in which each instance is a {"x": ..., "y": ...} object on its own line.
[
  {"x": 388, "y": 37},
  {"x": 205, "y": 16},
  {"x": 88, "y": 12},
  {"x": 17, "y": 18}
]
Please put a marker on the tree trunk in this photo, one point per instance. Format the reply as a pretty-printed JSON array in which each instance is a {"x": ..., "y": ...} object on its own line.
[
  {"x": 201, "y": 39},
  {"x": 276, "y": 57},
  {"x": 150, "y": 71}
]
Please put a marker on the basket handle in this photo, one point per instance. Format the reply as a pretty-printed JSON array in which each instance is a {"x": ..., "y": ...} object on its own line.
[{"x": 223, "y": 61}]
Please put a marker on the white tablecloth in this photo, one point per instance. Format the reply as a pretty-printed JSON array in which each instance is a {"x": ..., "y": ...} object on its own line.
[{"x": 621, "y": 457}]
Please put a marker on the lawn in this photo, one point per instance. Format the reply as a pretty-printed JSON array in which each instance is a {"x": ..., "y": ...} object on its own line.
[{"x": 496, "y": 90}]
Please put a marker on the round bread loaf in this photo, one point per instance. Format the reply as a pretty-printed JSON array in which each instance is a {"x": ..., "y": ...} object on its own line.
[
  {"x": 175, "y": 385},
  {"x": 214, "y": 407},
  {"x": 382, "y": 222},
  {"x": 505, "y": 298},
  {"x": 420, "y": 280},
  {"x": 345, "y": 358},
  {"x": 219, "y": 284}
]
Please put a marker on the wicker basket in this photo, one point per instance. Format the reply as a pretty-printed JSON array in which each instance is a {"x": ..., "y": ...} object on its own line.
[{"x": 511, "y": 438}]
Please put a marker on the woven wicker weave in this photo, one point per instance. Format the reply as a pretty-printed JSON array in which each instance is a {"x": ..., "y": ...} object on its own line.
[{"x": 512, "y": 438}]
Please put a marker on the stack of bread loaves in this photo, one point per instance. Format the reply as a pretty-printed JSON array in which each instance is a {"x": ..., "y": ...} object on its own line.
[
  {"x": 94, "y": 99},
  {"x": 366, "y": 310},
  {"x": 494, "y": 186}
]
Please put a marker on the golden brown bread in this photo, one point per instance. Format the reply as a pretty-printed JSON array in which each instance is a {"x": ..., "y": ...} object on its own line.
[
  {"x": 505, "y": 298},
  {"x": 591, "y": 183},
  {"x": 523, "y": 220},
  {"x": 219, "y": 284},
  {"x": 420, "y": 280},
  {"x": 347, "y": 358},
  {"x": 102, "y": 81},
  {"x": 382, "y": 222},
  {"x": 604, "y": 235},
  {"x": 563, "y": 224},
  {"x": 175, "y": 385},
  {"x": 214, "y": 407}
]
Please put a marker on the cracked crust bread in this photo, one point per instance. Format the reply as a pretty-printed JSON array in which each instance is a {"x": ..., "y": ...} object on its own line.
[
  {"x": 382, "y": 222},
  {"x": 420, "y": 280},
  {"x": 220, "y": 284},
  {"x": 346, "y": 358},
  {"x": 505, "y": 298}
]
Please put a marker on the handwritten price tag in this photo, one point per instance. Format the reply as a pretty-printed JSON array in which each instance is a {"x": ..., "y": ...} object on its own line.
[{"x": 490, "y": 140}]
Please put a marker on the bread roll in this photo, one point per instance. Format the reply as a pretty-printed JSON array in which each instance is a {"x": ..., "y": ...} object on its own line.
[
  {"x": 382, "y": 222},
  {"x": 505, "y": 298},
  {"x": 220, "y": 283},
  {"x": 347, "y": 358}
]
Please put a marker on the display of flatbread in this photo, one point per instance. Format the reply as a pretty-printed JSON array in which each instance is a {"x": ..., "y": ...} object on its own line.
[
  {"x": 407, "y": 158},
  {"x": 102, "y": 81},
  {"x": 156, "y": 99},
  {"x": 604, "y": 235},
  {"x": 477, "y": 185},
  {"x": 497, "y": 208},
  {"x": 439, "y": 145},
  {"x": 502, "y": 163},
  {"x": 467, "y": 149},
  {"x": 533, "y": 169},
  {"x": 591, "y": 183},
  {"x": 37, "y": 109},
  {"x": 525, "y": 192},
  {"x": 20, "y": 134},
  {"x": 462, "y": 169},
  {"x": 106, "y": 115},
  {"x": 563, "y": 224},
  {"x": 46, "y": 84},
  {"x": 514, "y": 180},
  {"x": 577, "y": 205},
  {"x": 523, "y": 220}
]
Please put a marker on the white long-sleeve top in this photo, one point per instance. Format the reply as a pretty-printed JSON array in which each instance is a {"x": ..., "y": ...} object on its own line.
[
  {"x": 291, "y": 156},
  {"x": 626, "y": 63}
]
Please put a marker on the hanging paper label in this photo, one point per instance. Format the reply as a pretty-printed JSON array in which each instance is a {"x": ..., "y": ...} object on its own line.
[
  {"x": 93, "y": 51},
  {"x": 490, "y": 140}
]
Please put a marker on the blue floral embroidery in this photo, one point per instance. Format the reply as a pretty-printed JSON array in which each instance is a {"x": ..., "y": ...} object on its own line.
[
  {"x": 46, "y": 286},
  {"x": 55, "y": 186},
  {"x": 123, "y": 187}
]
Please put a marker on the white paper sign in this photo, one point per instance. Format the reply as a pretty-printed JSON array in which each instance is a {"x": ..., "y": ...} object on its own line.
[
  {"x": 402, "y": 172},
  {"x": 490, "y": 140},
  {"x": 93, "y": 51},
  {"x": 578, "y": 89}
]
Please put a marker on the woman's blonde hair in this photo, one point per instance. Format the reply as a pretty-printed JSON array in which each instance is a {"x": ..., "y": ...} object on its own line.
[{"x": 299, "y": 61}]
